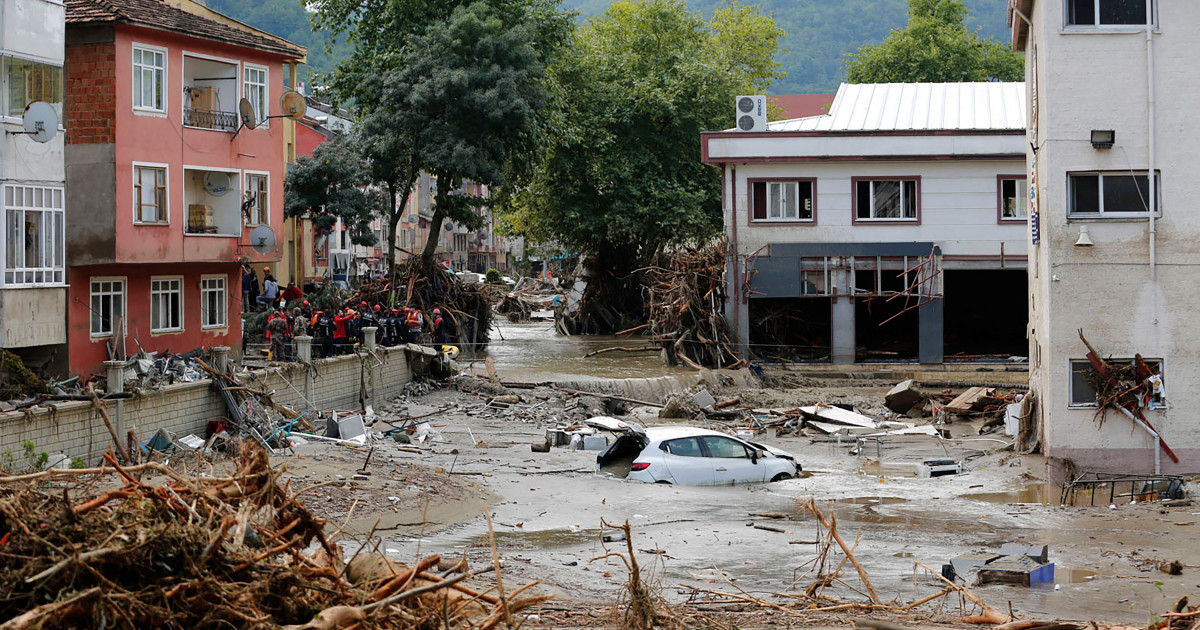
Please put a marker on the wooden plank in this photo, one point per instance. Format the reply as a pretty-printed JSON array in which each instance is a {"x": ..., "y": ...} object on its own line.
[
  {"x": 963, "y": 403},
  {"x": 840, "y": 416}
]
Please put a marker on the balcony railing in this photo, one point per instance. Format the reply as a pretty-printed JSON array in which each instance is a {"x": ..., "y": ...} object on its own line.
[{"x": 208, "y": 119}]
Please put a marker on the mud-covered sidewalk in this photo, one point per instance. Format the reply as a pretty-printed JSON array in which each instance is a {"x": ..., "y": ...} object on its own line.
[{"x": 429, "y": 497}]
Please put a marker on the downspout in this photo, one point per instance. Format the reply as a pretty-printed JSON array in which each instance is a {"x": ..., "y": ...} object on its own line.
[
  {"x": 730, "y": 175},
  {"x": 1151, "y": 176}
]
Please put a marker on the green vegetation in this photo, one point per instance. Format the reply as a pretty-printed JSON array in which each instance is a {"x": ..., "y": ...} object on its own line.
[
  {"x": 493, "y": 277},
  {"x": 618, "y": 175},
  {"x": 935, "y": 46},
  {"x": 820, "y": 33}
]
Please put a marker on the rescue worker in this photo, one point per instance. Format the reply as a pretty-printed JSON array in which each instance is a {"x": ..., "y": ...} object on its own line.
[
  {"x": 367, "y": 318},
  {"x": 324, "y": 327},
  {"x": 395, "y": 323},
  {"x": 413, "y": 321},
  {"x": 340, "y": 338},
  {"x": 299, "y": 327},
  {"x": 439, "y": 328},
  {"x": 277, "y": 328},
  {"x": 306, "y": 312},
  {"x": 353, "y": 333}
]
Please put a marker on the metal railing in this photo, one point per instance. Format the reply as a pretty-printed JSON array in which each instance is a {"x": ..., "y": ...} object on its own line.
[{"x": 208, "y": 119}]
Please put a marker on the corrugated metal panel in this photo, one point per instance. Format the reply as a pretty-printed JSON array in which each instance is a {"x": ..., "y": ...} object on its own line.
[{"x": 918, "y": 106}]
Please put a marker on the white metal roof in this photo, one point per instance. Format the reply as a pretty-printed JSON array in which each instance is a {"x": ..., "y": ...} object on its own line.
[{"x": 918, "y": 106}]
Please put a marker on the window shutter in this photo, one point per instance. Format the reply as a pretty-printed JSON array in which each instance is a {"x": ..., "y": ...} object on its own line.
[{"x": 758, "y": 199}]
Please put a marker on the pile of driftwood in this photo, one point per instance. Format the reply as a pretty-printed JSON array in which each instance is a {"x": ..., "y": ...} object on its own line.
[
  {"x": 200, "y": 553},
  {"x": 686, "y": 297}
]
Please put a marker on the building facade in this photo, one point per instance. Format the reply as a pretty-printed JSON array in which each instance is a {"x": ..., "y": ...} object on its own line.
[
  {"x": 1112, "y": 90},
  {"x": 33, "y": 294},
  {"x": 164, "y": 182},
  {"x": 891, "y": 229}
]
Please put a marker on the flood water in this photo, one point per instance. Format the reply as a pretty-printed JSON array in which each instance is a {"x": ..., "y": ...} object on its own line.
[{"x": 532, "y": 351}]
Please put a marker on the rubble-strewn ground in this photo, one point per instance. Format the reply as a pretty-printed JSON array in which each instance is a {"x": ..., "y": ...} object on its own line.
[{"x": 547, "y": 509}]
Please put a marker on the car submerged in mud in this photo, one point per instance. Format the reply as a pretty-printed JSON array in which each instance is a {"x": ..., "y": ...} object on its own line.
[{"x": 689, "y": 456}]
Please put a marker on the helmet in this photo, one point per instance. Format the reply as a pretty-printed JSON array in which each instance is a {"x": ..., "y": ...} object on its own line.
[
  {"x": 377, "y": 307},
  {"x": 306, "y": 302},
  {"x": 395, "y": 310},
  {"x": 437, "y": 311}
]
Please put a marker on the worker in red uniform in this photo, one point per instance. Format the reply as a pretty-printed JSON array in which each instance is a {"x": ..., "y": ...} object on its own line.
[
  {"x": 439, "y": 328},
  {"x": 340, "y": 340}
]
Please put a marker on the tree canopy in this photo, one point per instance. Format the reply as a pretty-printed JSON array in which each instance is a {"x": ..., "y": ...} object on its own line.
[
  {"x": 936, "y": 46},
  {"x": 617, "y": 170}
]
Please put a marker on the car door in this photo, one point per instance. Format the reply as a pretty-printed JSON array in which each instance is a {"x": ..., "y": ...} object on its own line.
[
  {"x": 732, "y": 461},
  {"x": 685, "y": 460}
]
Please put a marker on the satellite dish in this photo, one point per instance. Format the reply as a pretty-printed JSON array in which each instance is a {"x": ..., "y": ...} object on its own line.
[
  {"x": 449, "y": 226},
  {"x": 41, "y": 121},
  {"x": 293, "y": 105},
  {"x": 262, "y": 239},
  {"x": 217, "y": 183},
  {"x": 246, "y": 110}
]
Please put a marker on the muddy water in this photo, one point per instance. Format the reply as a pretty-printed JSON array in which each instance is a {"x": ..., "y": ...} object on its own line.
[{"x": 533, "y": 352}]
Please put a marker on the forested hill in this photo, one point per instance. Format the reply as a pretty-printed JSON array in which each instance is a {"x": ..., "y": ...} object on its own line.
[{"x": 819, "y": 32}]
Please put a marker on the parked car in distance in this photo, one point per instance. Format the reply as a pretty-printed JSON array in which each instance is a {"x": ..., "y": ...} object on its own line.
[{"x": 689, "y": 456}]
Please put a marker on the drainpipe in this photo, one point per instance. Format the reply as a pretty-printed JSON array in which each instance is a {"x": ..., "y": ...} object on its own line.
[
  {"x": 730, "y": 174},
  {"x": 1154, "y": 434},
  {"x": 1150, "y": 176}
]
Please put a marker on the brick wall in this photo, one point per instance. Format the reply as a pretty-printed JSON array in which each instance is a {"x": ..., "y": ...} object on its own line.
[
  {"x": 91, "y": 107},
  {"x": 76, "y": 430}
]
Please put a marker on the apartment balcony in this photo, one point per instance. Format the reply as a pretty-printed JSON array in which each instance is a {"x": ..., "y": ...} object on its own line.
[
  {"x": 210, "y": 93},
  {"x": 210, "y": 119}
]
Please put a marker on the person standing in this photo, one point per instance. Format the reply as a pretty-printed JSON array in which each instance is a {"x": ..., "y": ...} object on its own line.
[
  {"x": 253, "y": 305},
  {"x": 299, "y": 327},
  {"x": 340, "y": 339},
  {"x": 247, "y": 284},
  {"x": 324, "y": 329},
  {"x": 439, "y": 328},
  {"x": 270, "y": 289},
  {"x": 277, "y": 327}
]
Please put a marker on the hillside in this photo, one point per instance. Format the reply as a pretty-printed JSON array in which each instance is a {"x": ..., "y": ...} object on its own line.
[{"x": 819, "y": 32}]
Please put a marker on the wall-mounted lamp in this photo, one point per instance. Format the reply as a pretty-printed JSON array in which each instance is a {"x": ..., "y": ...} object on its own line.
[
  {"x": 1085, "y": 239},
  {"x": 1103, "y": 138}
]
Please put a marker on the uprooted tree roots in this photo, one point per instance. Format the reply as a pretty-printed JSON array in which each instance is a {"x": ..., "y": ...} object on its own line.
[{"x": 202, "y": 553}]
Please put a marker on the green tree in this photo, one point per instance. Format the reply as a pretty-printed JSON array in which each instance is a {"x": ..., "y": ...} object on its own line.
[
  {"x": 617, "y": 172},
  {"x": 333, "y": 185},
  {"x": 936, "y": 46}
]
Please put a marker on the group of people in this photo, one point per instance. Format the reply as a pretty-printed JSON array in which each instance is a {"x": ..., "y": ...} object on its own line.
[
  {"x": 340, "y": 332},
  {"x": 268, "y": 295}
]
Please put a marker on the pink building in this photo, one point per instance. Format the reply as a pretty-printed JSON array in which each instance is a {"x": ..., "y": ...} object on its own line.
[{"x": 164, "y": 185}]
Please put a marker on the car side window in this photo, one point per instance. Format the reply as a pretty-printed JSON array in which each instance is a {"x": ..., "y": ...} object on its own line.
[
  {"x": 725, "y": 448},
  {"x": 684, "y": 447}
]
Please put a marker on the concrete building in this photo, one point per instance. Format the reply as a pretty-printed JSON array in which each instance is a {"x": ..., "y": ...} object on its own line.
[
  {"x": 33, "y": 295},
  {"x": 164, "y": 184},
  {"x": 1112, "y": 88},
  {"x": 890, "y": 229}
]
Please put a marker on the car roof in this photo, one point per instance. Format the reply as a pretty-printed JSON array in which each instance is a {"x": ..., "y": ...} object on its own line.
[{"x": 674, "y": 432}]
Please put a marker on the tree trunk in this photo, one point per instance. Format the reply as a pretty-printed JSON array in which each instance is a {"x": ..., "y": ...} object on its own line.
[
  {"x": 395, "y": 212},
  {"x": 439, "y": 216}
]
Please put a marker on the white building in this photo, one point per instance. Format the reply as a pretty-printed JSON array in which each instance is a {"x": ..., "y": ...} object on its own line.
[
  {"x": 890, "y": 229},
  {"x": 32, "y": 280},
  {"x": 1113, "y": 87}
]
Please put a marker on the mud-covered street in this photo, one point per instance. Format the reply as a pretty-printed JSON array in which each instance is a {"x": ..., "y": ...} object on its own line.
[{"x": 546, "y": 508}]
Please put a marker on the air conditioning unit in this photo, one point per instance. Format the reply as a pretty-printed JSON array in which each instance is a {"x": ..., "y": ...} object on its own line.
[{"x": 751, "y": 113}]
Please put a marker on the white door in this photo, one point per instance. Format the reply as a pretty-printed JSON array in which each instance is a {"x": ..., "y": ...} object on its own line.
[
  {"x": 733, "y": 462},
  {"x": 686, "y": 462}
]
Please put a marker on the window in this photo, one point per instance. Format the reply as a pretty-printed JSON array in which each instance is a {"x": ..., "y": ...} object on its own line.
[
  {"x": 149, "y": 79},
  {"x": 257, "y": 209},
  {"x": 1106, "y": 12},
  {"x": 149, "y": 194},
  {"x": 108, "y": 306},
  {"x": 33, "y": 235},
  {"x": 724, "y": 447},
  {"x": 166, "y": 304},
  {"x": 254, "y": 88},
  {"x": 29, "y": 81},
  {"x": 214, "y": 302},
  {"x": 1083, "y": 393},
  {"x": 683, "y": 447},
  {"x": 783, "y": 200},
  {"x": 1014, "y": 198},
  {"x": 1110, "y": 195},
  {"x": 886, "y": 199}
]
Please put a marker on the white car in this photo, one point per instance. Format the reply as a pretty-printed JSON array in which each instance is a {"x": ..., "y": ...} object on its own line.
[{"x": 689, "y": 456}]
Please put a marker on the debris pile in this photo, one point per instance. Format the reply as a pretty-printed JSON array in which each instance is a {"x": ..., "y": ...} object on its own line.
[
  {"x": 530, "y": 299},
  {"x": 201, "y": 553},
  {"x": 686, "y": 298}
]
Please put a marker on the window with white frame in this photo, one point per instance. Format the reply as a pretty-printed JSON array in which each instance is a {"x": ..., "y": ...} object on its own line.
[
  {"x": 1102, "y": 13},
  {"x": 149, "y": 194},
  {"x": 1084, "y": 379},
  {"x": 254, "y": 89},
  {"x": 33, "y": 235},
  {"x": 1113, "y": 195},
  {"x": 1014, "y": 199},
  {"x": 27, "y": 81},
  {"x": 107, "y": 305},
  {"x": 885, "y": 199},
  {"x": 149, "y": 79},
  {"x": 214, "y": 302},
  {"x": 257, "y": 208},
  {"x": 166, "y": 304},
  {"x": 791, "y": 200}
]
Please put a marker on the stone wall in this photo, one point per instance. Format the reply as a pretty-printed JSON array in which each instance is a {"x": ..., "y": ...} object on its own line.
[{"x": 76, "y": 430}]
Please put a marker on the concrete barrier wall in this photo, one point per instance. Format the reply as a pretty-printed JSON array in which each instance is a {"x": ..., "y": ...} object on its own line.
[{"x": 76, "y": 429}]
